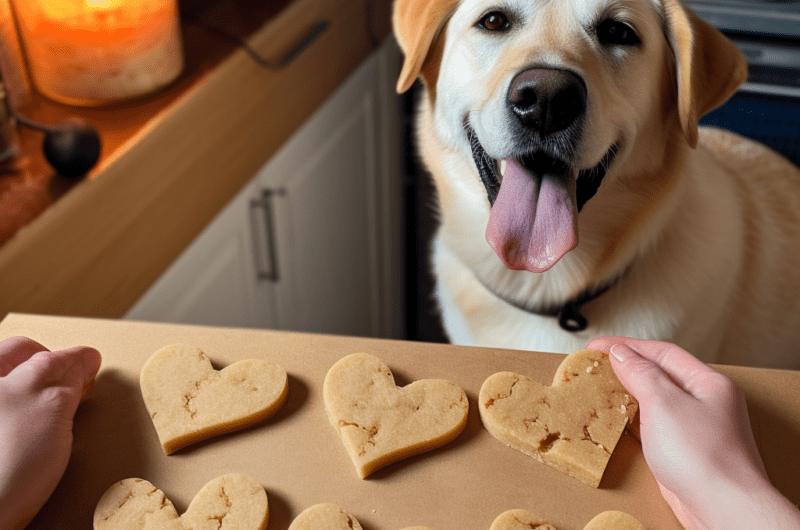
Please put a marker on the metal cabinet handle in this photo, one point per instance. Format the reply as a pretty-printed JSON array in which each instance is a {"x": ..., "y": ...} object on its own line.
[
  {"x": 313, "y": 34},
  {"x": 264, "y": 241}
]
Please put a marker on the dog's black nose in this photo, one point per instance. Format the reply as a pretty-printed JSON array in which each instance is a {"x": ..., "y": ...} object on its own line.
[{"x": 547, "y": 100}]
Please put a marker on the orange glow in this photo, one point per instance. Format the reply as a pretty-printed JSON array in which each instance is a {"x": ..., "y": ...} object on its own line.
[
  {"x": 87, "y": 51},
  {"x": 100, "y": 22}
]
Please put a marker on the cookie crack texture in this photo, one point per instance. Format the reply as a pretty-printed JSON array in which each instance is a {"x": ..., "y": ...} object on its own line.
[
  {"x": 190, "y": 405},
  {"x": 125, "y": 500},
  {"x": 572, "y": 425},
  {"x": 372, "y": 432},
  {"x": 491, "y": 401},
  {"x": 519, "y": 520},
  {"x": 532, "y": 526},
  {"x": 380, "y": 423},
  {"x": 588, "y": 438},
  {"x": 226, "y": 509}
]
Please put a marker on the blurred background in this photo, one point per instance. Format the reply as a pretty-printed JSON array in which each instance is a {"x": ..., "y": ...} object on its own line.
[{"x": 249, "y": 164}]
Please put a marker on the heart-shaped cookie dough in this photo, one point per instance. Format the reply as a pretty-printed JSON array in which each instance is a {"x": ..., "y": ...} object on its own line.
[
  {"x": 381, "y": 423},
  {"x": 614, "y": 520},
  {"x": 330, "y": 517},
  {"x": 324, "y": 517},
  {"x": 525, "y": 520},
  {"x": 573, "y": 425},
  {"x": 235, "y": 502},
  {"x": 189, "y": 401}
]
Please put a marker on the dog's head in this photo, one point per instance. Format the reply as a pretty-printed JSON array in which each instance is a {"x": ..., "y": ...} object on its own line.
[{"x": 550, "y": 96}]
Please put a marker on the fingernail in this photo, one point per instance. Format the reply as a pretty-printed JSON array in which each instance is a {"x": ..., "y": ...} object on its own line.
[{"x": 621, "y": 352}]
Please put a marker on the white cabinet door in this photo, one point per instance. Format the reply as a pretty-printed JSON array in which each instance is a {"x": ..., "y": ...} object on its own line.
[
  {"x": 312, "y": 243},
  {"x": 213, "y": 281},
  {"x": 331, "y": 203}
]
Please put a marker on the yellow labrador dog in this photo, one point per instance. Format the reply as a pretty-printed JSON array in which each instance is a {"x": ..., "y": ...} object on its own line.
[{"x": 577, "y": 195}]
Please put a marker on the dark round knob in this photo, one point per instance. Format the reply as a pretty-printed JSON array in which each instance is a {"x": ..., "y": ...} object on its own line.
[{"x": 72, "y": 147}]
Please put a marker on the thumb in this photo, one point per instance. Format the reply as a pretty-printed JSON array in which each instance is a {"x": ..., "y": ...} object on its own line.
[{"x": 641, "y": 377}]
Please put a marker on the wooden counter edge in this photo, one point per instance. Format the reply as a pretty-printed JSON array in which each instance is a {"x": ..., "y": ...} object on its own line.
[{"x": 97, "y": 250}]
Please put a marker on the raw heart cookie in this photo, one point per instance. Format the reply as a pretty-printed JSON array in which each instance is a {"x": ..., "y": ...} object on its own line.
[
  {"x": 381, "y": 423},
  {"x": 614, "y": 520},
  {"x": 134, "y": 504},
  {"x": 525, "y": 520},
  {"x": 189, "y": 401},
  {"x": 573, "y": 425},
  {"x": 330, "y": 517},
  {"x": 324, "y": 517}
]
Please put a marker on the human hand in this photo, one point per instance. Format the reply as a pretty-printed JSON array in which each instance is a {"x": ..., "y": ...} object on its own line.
[
  {"x": 696, "y": 438},
  {"x": 39, "y": 393}
]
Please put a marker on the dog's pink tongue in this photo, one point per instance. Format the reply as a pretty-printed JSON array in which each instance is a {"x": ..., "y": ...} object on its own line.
[{"x": 533, "y": 220}]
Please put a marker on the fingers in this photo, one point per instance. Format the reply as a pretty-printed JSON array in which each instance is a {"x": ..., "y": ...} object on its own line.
[
  {"x": 684, "y": 370},
  {"x": 71, "y": 371},
  {"x": 75, "y": 366},
  {"x": 83, "y": 369},
  {"x": 15, "y": 351},
  {"x": 642, "y": 377}
]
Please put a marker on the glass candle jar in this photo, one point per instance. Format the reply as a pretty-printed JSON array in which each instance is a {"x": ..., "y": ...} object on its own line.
[
  {"x": 8, "y": 138},
  {"x": 93, "y": 52}
]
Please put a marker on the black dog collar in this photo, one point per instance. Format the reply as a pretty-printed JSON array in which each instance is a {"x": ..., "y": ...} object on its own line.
[{"x": 569, "y": 313}]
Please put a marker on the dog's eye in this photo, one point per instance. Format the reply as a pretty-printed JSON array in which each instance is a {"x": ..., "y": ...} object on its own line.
[
  {"x": 494, "y": 21},
  {"x": 615, "y": 33}
]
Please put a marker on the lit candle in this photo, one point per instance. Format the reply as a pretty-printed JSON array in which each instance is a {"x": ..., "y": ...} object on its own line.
[{"x": 91, "y": 52}]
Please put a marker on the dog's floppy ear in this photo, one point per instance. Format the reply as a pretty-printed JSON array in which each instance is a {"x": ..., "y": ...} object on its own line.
[
  {"x": 416, "y": 24},
  {"x": 709, "y": 67}
]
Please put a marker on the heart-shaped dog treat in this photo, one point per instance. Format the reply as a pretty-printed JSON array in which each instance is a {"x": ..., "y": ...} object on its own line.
[
  {"x": 573, "y": 425},
  {"x": 525, "y": 520},
  {"x": 380, "y": 423},
  {"x": 324, "y": 517},
  {"x": 189, "y": 401},
  {"x": 614, "y": 520},
  {"x": 330, "y": 517},
  {"x": 233, "y": 502}
]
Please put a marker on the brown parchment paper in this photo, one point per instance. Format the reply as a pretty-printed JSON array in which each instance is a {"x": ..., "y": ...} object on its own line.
[{"x": 299, "y": 460}]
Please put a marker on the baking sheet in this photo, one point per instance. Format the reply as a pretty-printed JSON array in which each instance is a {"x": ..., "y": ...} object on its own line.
[{"x": 299, "y": 460}]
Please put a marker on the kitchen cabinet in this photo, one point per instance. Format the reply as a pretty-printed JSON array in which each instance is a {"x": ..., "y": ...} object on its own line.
[
  {"x": 172, "y": 161},
  {"x": 313, "y": 241}
]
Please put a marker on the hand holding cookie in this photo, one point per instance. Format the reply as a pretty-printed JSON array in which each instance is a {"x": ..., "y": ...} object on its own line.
[
  {"x": 573, "y": 425},
  {"x": 694, "y": 425}
]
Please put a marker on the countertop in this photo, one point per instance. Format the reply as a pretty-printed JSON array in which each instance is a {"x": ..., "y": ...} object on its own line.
[
  {"x": 299, "y": 460},
  {"x": 28, "y": 185}
]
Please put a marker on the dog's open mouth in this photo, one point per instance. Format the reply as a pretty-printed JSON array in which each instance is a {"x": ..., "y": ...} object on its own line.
[{"x": 535, "y": 202}]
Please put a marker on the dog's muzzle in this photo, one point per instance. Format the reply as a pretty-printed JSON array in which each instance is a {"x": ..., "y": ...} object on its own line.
[{"x": 536, "y": 192}]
